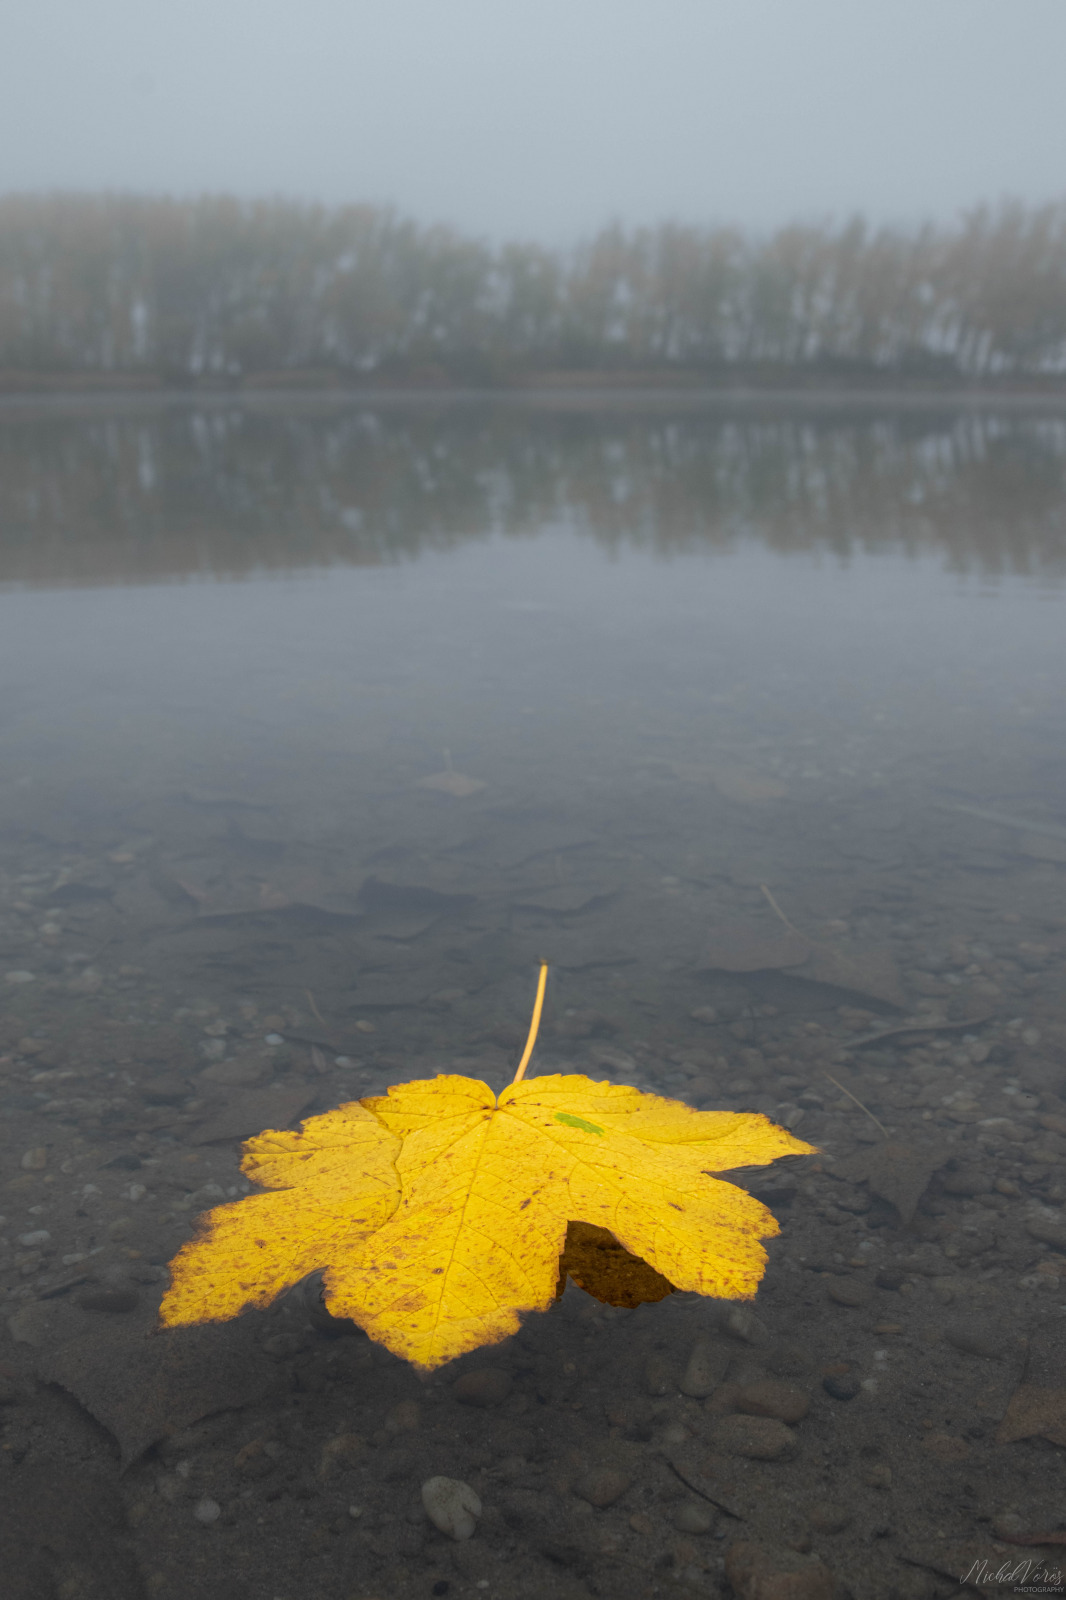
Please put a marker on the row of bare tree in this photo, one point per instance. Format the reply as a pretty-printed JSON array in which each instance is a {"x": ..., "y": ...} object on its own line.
[{"x": 220, "y": 287}]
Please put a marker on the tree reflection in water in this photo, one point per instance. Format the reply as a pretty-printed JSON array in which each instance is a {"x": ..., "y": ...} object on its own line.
[{"x": 140, "y": 490}]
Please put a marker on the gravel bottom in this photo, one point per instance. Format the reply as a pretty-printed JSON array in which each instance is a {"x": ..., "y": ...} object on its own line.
[{"x": 886, "y": 1416}]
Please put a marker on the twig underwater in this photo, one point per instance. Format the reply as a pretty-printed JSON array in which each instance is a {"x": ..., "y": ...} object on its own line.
[
  {"x": 790, "y": 926},
  {"x": 314, "y": 1008},
  {"x": 857, "y": 1101}
]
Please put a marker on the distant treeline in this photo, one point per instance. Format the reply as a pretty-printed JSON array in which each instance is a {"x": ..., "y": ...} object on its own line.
[{"x": 220, "y": 289}]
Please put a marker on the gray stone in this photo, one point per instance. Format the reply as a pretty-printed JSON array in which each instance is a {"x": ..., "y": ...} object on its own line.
[
  {"x": 740, "y": 1322},
  {"x": 239, "y": 1072},
  {"x": 602, "y": 1486},
  {"x": 825, "y": 1516},
  {"x": 451, "y": 1506},
  {"x": 484, "y": 1386},
  {"x": 693, "y": 1516},
  {"x": 842, "y": 1385},
  {"x": 705, "y": 1368},
  {"x": 846, "y": 1292},
  {"x": 768, "y": 1398},
  {"x": 971, "y": 1342},
  {"x": 1049, "y": 1227},
  {"x": 759, "y": 1573},
  {"x": 758, "y": 1438}
]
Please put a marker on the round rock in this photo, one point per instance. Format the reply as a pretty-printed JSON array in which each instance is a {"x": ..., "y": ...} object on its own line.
[
  {"x": 691, "y": 1517},
  {"x": 758, "y": 1438},
  {"x": 756, "y": 1573},
  {"x": 971, "y": 1341},
  {"x": 484, "y": 1386},
  {"x": 1048, "y": 1228},
  {"x": 825, "y": 1516},
  {"x": 602, "y": 1486},
  {"x": 768, "y": 1398},
  {"x": 1009, "y": 1524},
  {"x": 705, "y": 1369},
  {"x": 451, "y": 1506},
  {"x": 845, "y": 1292},
  {"x": 740, "y": 1322},
  {"x": 842, "y": 1385}
]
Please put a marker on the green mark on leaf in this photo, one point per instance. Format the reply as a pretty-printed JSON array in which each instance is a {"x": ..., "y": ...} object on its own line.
[{"x": 577, "y": 1122}]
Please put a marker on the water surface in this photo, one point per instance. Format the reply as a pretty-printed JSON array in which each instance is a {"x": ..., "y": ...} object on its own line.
[
  {"x": 321, "y": 727},
  {"x": 682, "y": 654}
]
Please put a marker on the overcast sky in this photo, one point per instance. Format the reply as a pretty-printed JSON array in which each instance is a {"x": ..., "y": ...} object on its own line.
[{"x": 544, "y": 118}]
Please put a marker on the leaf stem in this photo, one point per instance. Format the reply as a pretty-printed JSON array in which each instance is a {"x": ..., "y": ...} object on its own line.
[{"x": 534, "y": 1026}]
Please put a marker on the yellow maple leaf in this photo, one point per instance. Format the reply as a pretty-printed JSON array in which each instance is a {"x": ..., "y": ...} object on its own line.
[
  {"x": 440, "y": 1211},
  {"x": 331, "y": 1185}
]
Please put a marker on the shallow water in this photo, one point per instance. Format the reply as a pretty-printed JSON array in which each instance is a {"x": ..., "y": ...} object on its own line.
[{"x": 708, "y": 673}]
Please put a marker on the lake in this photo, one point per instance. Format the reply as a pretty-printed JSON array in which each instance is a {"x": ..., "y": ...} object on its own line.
[{"x": 324, "y": 722}]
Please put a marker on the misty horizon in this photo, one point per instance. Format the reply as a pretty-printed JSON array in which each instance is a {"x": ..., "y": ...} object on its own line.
[
  {"x": 543, "y": 121},
  {"x": 713, "y": 218}
]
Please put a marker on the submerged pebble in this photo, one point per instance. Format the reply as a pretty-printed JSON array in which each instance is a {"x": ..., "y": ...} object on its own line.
[
  {"x": 602, "y": 1486},
  {"x": 972, "y": 1342},
  {"x": 740, "y": 1322},
  {"x": 691, "y": 1517},
  {"x": 705, "y": 1368},
  {"x": 452, "y": 1507},
  {"x": 484, "y": 1386},
  {"x": 825, "y": 1516},
  {"x": 761, "y": 1573},
  {"x": 757, "y": 1438},
  {"x": 767, "y": 1398},
  {"x": 1048, "y": 1228},
  {"x": 842, "y": 1385},
  {"x": 844, "y": 1292}
]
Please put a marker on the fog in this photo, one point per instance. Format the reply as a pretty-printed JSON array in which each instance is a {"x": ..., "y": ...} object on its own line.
[
  {"x": 475, "y": 495},
  {"x": 542, "y": 118}
]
